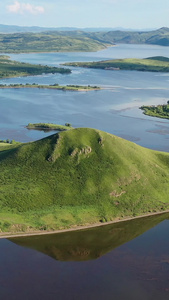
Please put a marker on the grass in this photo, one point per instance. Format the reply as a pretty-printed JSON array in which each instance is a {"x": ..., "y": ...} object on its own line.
[
  {"x": 159, "y": 111},
  {"x": 10, "y": 68},
  {"x": 153, "y": 64},
  {"x": 81, "y": 176},
  {"x": 48, "y": 42},
  {"x": 73, "y": 41},
  {"x": 154, "y": 37},
  {"x": 49, "y": 126}
]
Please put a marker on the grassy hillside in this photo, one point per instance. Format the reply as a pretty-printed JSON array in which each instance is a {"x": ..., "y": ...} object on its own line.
[
  {"x": 48, "y": 42},
  {"x": 10, "y": 68},
  {"x": 79, "y": 176},
  {"x": 49, "y": 126},
  {"x": 155, "y": 37},
  {"x": 151, "y": 64}
]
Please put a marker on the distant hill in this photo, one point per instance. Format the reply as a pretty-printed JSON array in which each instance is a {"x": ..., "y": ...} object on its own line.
[
  {"x": 157, "y": 37},
  {"x": 15, "y": 29},
  {"x": 40, "y": 39},
  {"x": 80, "y": 176},
  {"x": 150, "y": 64}
]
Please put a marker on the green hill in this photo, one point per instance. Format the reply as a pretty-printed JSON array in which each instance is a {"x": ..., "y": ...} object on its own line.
[
  {"x": 11, "y": 68},
  {"x": 79, "y": 176},
  {"x": 151, "y": 64},
  {"x": 77, "y": 40},
  {"x": 48, "y": 42},
  {"x": 155, "y": 37}
]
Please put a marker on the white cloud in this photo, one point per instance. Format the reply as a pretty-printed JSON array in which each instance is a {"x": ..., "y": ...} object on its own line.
[{"x": 21, "y": 8}]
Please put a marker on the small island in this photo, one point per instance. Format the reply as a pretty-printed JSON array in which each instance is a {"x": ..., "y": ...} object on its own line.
[
  {"x": 79, "y": 88},
  {"x": 49, "y": 126},
  {"x": 10, "y": 68},
  {"x": 159, "y": 111},
  {"x": 150, "y": 64}
]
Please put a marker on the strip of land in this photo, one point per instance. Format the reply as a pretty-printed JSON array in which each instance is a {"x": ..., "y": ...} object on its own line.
[
  {"x": 159, "y": 111},
  {"x": 150, "y": 64},
  {"x": 10, "y": 68},
  {"x": 78, "y": 88},
  {"x": 6, "y": 235},
  {"x": 49, "y": 126}
]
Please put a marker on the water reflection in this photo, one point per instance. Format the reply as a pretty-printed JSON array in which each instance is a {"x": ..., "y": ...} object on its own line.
[{"x": 92, "y": 243}]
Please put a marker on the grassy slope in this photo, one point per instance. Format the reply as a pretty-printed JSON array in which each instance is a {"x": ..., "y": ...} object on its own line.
[
  {"x": 10, "y": 68},
  {"x": 50, "y": 126},
  {"x": 48, "y": 42},
  {"x": 80, "y": 176},
  {"x": 155, "y": 37},
  {"x": 159, "y": 111},
  {"x": 63, "y": 41},
  {"x": 153, "y": 64}
]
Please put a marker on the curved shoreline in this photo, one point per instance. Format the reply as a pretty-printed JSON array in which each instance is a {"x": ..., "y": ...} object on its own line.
[{"x": 7, "y": 235}]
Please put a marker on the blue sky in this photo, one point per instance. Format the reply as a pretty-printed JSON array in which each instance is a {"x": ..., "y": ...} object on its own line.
[{"x": 136, "y": 14}]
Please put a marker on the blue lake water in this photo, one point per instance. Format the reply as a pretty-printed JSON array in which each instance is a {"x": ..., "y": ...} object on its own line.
[
  {"x": 114, "y": 109},
  {"x": 139, "y": 268}
]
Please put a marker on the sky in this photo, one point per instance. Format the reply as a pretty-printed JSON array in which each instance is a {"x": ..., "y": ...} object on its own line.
[{"x": 135, "y": 14}]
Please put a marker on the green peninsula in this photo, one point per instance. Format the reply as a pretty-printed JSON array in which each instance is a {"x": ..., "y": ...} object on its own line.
[
  {"x": 10, "y": 68},
  {"x": 159, "y": 111},
  {"x": 78, "y": 88},
  {"x": 49, "y": 126},
  {"x": 151, "y": 64},
  {"x": 76, "y": 177}
]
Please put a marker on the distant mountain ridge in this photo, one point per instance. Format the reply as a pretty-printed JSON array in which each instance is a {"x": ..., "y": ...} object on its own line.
[
  {"x": 15, "y": 28},
  {"x": 73, "y": 40}
]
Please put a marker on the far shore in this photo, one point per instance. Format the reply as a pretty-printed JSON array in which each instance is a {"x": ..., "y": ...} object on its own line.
[{"x": 6, "y": 235}]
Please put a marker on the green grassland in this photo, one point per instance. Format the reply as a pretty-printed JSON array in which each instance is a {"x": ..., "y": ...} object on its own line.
[
  {"x": 153, "y": 37},
  {"x": 78, "y": 88},
  {"x": 10, "y": 68},
  {"x": 159, "y": 111},
  {"x": 151, "y": 64},
  {"x": 49, "y": 126},
  {"x": 78, "y": 40},
  {"x": 48, "y": 42},
  {"x": 78, "y": 177}
]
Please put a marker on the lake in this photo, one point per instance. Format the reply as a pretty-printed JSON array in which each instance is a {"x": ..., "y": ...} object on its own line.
[
  {"x": 128, "y": 260},
  {"x": 115, "y": 109}
]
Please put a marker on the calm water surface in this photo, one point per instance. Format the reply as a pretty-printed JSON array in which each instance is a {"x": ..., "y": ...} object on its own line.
[
  {"x": 115, "y": 109},
  {"x": 124, "y": 261},
  {"x": 128, "y": 260}
]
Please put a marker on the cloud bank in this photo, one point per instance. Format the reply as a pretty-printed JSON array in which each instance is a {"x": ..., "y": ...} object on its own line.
[{"x": 21, "y": 8}]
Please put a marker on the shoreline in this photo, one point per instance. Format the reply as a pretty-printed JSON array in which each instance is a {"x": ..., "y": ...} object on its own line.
[
  {"x": 7, "y": 235},
  {"x": 64, "y": 88}
]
